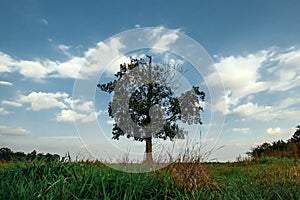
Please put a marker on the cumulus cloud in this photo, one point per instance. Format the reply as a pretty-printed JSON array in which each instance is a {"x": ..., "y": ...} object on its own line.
[
  {"x": 79, "y": 110},
  {"x": 85, "y": 106},
  {"x": 85, "y": 109},
  {"x": 70, "y": 109},
  {"x": 286, "y": 71},
  {"x": 6, "y": 62},
  {"x": 16, "y": 131},
  {"x": 254, "y": 111},
  {"x": 32, "y": 69},
  {"x": 94, "y": 59},
  {"x": 69, "y": 69},
  {"x": 271, "y": 70},
  {"x": 43, "y": 100},
  {"x": 278, "y": 131},
  {"x": 163, "y": 41},
  {"x": 40, "y": 69},
  {"x": 266, "y": 71},
  {"x": 72, "y": 116},
  {"x": 240, "y": 76},
  {"x": 69, "y": 116}
]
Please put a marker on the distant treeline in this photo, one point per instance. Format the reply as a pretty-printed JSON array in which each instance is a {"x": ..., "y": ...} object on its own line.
[
  {"x": 280, "y": 148},
  {"x": 7, "y": 155}
]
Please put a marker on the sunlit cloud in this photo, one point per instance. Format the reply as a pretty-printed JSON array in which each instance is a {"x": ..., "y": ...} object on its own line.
[
  {"x": 278, "y": 131},
  {"x": 43, "y": 100}
]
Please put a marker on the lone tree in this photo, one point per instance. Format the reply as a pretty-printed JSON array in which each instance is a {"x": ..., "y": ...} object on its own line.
[{"x": 145, "y": 107}]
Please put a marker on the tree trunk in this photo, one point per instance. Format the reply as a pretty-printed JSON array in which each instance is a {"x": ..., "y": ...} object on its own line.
[{"x": 149, "y": 158}]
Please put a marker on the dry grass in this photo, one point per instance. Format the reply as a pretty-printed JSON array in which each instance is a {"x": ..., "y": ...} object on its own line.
[{"x": 189, "y": 175}]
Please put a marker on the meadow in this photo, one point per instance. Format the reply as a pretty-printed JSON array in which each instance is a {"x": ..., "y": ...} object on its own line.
[{"x": 264, "y": 178}]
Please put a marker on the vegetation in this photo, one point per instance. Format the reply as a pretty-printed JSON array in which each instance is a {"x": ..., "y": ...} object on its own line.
[
  {"x": 279, "y": 149},
  {"x": 261, "y": 177},
  {"x": 264, "y": 178},
  {"x": 7, "y": 155},
  {"x": 144, "y": 98}
]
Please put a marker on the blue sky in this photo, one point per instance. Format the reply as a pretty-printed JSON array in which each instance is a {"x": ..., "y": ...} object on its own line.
[{"x": 255, "y": 46}]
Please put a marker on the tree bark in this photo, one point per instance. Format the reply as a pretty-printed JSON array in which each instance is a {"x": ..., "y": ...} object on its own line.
[{"x": 149, "y": 158}]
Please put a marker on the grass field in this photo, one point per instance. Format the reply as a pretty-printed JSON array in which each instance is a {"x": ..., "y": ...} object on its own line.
[{"x": 266, "y": 178}]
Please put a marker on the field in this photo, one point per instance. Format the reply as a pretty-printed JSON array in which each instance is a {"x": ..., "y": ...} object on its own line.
[{"x": 265, "y": 178}]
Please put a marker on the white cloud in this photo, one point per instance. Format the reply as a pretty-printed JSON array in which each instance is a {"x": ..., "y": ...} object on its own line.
[
  {"x": 6, "y": 83},
  {"x": 85, "y": 106},
  {"x": 43, "y": 100},
  {"x": 241, "y": 130},
  {"x": 4, "y": 112},
  {"x": 12, "y": 103},
  {"x": 272, "y": 70},
  {"x": 163, "y": 41},
  {"x": 90, "y": 117},
  {"x": 286, "y": 71},
  {"x": 93, "y": 60},
  {"x": 254, "y": 111},
  {"x": 137, "y": 26},
  {"x": 69, "y": 69},
  {"x": 78, "y": 110},
  {"x": 5, "y": 130},
  {"x": 33, "y": 69},
  {"x": 71, "y": 109},
  {"x": 275, "y": 131},
  {"x": 240, "y": 75},
  {"x": 266, "y": 113},
  {"x": 38, "y": 70},
  {"x": 69, "y": 116},
  {"x": 6, "y": 62},
  {"x": 64, "y": 49},
  {"x": 96, "y": 59},
  {"x": 278, "y": 131}
]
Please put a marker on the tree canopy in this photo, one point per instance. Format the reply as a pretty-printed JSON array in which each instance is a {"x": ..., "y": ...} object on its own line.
[
  {"x": 144, "y": 105},
  {"x": 280, "y": 148}
]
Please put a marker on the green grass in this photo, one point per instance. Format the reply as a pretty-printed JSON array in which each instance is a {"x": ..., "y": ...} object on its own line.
[
  {"x": 258, "y": 179},
  {"x": 266, "y": 178}
]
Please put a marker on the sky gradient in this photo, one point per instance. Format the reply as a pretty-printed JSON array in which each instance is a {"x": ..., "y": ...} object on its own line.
[{"x": 255, "y": 46}]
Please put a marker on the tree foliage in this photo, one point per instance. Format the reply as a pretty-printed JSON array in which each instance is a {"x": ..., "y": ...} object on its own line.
[
  {"x": 296, "y": 136},
  {"x": 280, "y": 148},
  {"x": 7, "y": 155},
  {"x": 143, "y": 99}
]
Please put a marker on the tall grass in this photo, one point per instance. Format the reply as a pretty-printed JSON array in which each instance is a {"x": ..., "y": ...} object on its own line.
[{"x": 256, "y": 179}]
